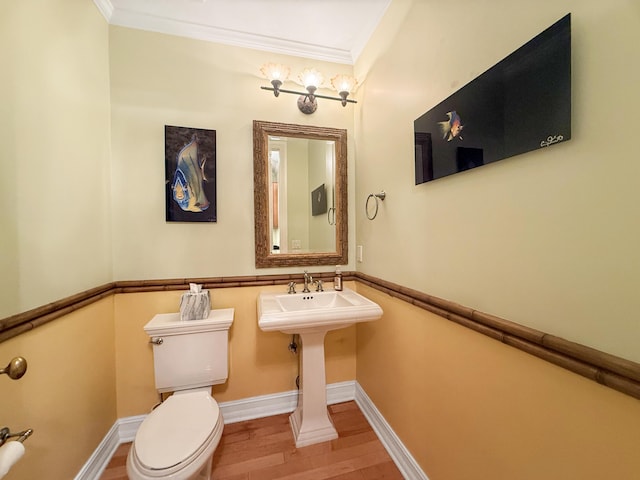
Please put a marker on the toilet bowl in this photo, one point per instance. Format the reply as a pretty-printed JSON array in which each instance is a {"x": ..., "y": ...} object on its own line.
[{"x": 177, "y": 440}]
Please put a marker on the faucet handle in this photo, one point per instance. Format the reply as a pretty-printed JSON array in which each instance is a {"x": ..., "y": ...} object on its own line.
[
  {"x": 319, "y": 287},
  {"x": 292, "y": 287}
]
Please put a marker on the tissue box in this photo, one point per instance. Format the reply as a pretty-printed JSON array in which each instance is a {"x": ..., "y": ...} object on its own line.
[{"x": 195, "y": 304}]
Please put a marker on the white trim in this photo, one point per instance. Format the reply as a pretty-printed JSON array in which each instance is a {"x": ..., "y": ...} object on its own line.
[
  {"x": 365, "y": 33},
  {"x": 124, "y": 429},
  {"x": 398, "y": 452},
  {"x": 128, "y": 426},
  {"x": 99, "y": 460},
  {"x": 341, "y": 392},
  {"x": 105, "y": 7},
  {"x": 285, "y": 402},
  {"x": 144, "y": 21},
  {"x": 258, "y": 407}
]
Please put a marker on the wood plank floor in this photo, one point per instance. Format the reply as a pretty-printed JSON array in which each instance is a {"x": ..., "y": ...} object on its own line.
[{"x": 263, "y": 449}]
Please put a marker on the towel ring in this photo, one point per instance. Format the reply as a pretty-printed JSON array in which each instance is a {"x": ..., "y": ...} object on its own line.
[
  {"x": 331, "y": 215},
  {"x": 375, "y": 196}
]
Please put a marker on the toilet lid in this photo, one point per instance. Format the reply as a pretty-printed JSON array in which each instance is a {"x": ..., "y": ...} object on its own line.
[{"x": 176, "y": 429}]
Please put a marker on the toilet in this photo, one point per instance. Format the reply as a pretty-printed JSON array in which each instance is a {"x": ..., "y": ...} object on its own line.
[{"x": 178, "y": 438}]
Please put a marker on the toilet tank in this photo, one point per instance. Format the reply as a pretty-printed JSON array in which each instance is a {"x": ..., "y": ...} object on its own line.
[{"x": 190, "y": 353}]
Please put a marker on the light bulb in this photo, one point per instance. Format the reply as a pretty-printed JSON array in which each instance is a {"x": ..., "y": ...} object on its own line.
[
  {"x": 343, "y": 83},
  {"x": 275, "y": 71},
  {"x": 310, "y": 77}
]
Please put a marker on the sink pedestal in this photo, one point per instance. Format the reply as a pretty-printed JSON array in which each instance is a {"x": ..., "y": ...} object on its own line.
[
  {"x": 310, "y": 421},
  {"x": 312, "y": 315}
]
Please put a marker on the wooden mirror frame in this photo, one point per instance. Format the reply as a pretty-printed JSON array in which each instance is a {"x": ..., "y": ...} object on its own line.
[{"x": 264, "y": 257}]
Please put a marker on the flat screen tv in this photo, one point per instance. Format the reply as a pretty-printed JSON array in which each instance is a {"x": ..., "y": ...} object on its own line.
[{"x": 523, "y": 103}]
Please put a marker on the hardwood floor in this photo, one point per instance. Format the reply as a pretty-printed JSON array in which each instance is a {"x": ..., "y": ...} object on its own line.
[{"x": 263, "y": 449}]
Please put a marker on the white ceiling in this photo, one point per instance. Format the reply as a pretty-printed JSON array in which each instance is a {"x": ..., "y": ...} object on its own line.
[{"x": 331, "y": 30}]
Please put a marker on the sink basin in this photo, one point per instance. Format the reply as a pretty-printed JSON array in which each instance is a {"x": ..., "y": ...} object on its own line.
[
  {"x": 311, "y": 315},
  {"x": 329, "y": 310}
]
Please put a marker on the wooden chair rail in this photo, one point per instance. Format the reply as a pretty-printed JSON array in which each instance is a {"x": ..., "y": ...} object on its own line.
[
  {"x": 614, "y": 372},
  {"x": 609, "y": 370}
]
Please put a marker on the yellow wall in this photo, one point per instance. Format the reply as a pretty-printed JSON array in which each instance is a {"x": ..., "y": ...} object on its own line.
[
  {"x": 159, "y": 80},
  {"x": 543, "y": 239},
  {"x": 464, "y": 405},
  {"x": 93, "y": 366},
  {"x": 259, "y": 362},
  {"x": 55, "y": 155},
  {"x": 469, "y": 407},
  {"x": 546, "y": 239},
  {"x": 67, "y": 396}
]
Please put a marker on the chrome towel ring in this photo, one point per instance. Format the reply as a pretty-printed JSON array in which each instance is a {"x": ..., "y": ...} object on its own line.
[
  {"x": 375, "y": 196},
  {"x": 331, "y": 215}
]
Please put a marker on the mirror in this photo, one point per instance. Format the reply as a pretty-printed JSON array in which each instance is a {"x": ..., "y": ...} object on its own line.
[{"x": 300, "y": 195}]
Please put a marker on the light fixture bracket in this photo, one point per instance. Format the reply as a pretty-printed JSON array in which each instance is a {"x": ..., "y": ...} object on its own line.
[
  {"x": 307, "y": 100},
  {"x": 311, "y": 79},
  {"x": 307, "y": 104}
]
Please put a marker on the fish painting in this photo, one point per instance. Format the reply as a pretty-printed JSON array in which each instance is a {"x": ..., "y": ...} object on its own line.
[
  {"x": 452, "y": 127},
  {"x": 187, "y": 184}
]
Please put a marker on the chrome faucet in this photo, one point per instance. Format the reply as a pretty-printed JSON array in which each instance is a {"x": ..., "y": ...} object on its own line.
[{"x": 308, "y": 279}]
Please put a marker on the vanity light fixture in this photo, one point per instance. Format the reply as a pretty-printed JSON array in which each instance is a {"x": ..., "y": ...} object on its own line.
[{"x": 312, "y": 79}]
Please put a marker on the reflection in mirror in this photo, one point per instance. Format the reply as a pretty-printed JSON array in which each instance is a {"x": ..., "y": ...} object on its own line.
[
  {"x": 310, "y": 169},
  {"x": 300, "y": 195}
]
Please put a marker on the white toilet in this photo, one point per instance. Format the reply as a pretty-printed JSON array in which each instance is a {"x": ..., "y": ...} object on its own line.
[{"x": 177, "y": 440}]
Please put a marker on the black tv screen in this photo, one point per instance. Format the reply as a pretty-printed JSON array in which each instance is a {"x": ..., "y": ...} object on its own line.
[{"x": 523, "y": 103}]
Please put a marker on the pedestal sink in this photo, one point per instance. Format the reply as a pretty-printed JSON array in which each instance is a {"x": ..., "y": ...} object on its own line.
[{"x": 312, "y": 315}]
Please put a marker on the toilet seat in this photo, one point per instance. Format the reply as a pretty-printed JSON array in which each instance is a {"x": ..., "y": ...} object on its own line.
[{"x": 177, "y": 438}]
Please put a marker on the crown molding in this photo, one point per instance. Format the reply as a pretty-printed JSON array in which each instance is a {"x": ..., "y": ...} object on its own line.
[
  {"x": 152, "y": 23},
  {"x": 365, "y": 34},
  {"x": 105, "y": 7}
]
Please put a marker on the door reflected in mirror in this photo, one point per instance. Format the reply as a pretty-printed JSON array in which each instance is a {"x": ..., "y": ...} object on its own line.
[{"x": 300, "y": 195}]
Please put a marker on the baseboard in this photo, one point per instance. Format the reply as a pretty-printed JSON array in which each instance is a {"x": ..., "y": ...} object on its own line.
[
  {"x": 99, "y": 460},
  {"x": 124, "y": 430},
  {"x": 258, "y": 407},
  {"x": 285, "y": 402},
  {"x": 128, "y": 426},
  {"x": 400, "y": 455}
]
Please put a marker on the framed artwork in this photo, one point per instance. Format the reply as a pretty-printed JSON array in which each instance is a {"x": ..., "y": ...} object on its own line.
[
  {"x": 522, "y": 103},
  {"x": 319, "y": 201},
  {"x": 190, "y": 174}
]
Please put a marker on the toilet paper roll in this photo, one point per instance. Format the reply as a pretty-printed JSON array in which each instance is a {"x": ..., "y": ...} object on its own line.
[{"x": 10, "y": 453}]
